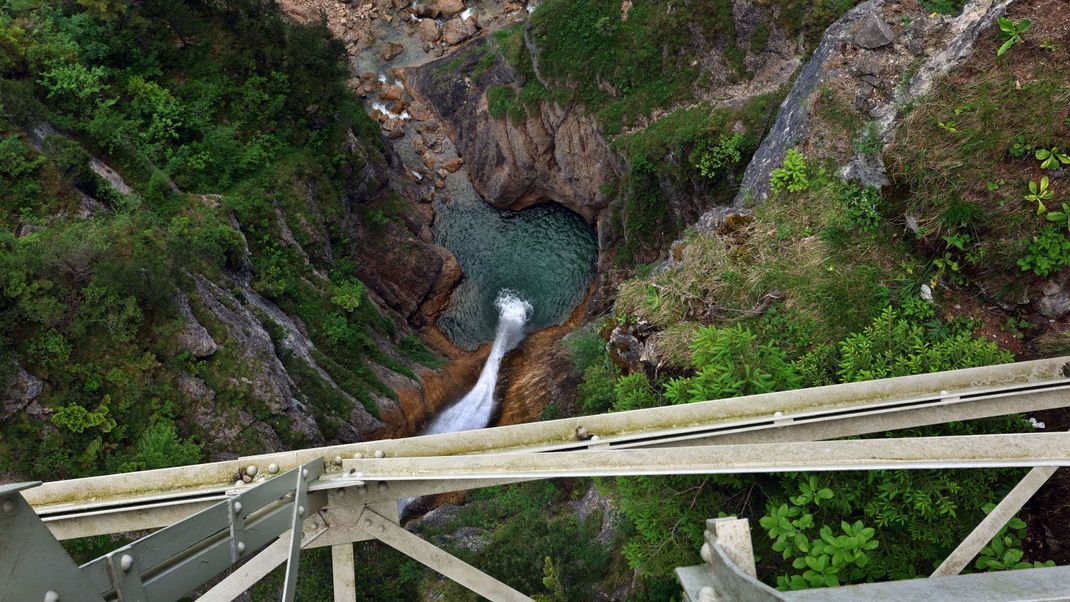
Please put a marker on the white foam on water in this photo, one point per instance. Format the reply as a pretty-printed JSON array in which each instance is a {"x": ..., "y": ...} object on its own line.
[{"x": 474, "y": 410}]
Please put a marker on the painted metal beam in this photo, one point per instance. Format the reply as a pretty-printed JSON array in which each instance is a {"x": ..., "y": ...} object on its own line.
[
  {"x": 438, "y": 559},
  {"x": 974, "y": 451},
  {"x": 991, "y": 524},
  {"x": 191, "y": 482},
  {"x": 343, "y": 573}
]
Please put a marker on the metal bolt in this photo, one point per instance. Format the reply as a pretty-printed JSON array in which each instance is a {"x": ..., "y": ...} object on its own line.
[
  {"x": 359, "y": 456},
  {"x": 383, "y": 486},
  {"x": 237, "y": 507},
  {"x": 251, "y": 470},
  {"x": 594, "y": 437},
  {"x": 382, "y": 529},
  {"x": 8, "y": 506},
  {"x": 247, "y": 479},
  {"x": 126, "y": 562},
  {"x": 300, "y": 510},
  {"x": 775, "y": 415},
  {"x": 241, "y": 547},
  {"x": 341, "y": 493},
  {"x": 379, "y": 453},
  {"x": 338, "y": 460},
  {"x": 304, "y": 473},
  {"x": 273, "y": 468},
  {"x": 367, "y": 522},
  {"x": 706, "y": 553},
  {"x": 51, "y": 596},
  {"x": 239, "y": 483}
]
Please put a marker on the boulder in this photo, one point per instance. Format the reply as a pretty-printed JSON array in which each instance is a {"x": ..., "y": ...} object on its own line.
[
  {"x": 392, "y": 51},
  {"x": 428, "y": 31},
  {"x": 873, "y": 33},
  {"x": 453, "y": 165},
  {"x": 458, "y": 30},
  {"x": 448, "y": 8},
  {"x": 391, "y": 92},
  {"x": 1055, "y": 303}
]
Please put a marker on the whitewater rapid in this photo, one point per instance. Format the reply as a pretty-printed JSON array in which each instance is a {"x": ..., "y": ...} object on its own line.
[{"x": 475, "y": 409}]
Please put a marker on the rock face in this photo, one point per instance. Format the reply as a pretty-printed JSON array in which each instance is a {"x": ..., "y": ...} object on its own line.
[
  {"x": 18, "y": 392},
  {"x": 556, "y": 154},
  {"x": 193, "y": 337},
  {"x": 862, "y": 52}
]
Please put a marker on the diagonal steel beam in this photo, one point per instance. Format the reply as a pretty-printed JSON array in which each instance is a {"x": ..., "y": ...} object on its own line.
[
  {"x": 991, "y": 524},
  {"x": 438, "y": 559}
]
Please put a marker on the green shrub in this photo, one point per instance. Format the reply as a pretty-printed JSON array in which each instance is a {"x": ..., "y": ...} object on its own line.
[
  {"x": 862, "y": 207},
  {"x": 710, "y": 159},
  {"x": 1049, "y": 251},
  {"x": 792, "y": 177}
]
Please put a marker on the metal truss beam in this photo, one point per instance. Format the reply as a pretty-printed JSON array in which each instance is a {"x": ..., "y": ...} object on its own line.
[
  {"x": 962, "y": 394},
  {"x": 974, "y": 451}
]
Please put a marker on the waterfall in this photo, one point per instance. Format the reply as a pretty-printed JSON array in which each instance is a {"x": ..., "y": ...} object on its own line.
[{"x": 474, "y": 410}]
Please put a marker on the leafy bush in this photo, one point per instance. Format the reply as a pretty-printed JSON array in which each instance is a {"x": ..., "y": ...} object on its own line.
[
  {"x": 710, "y": 159},
  {"x": 1049, "y": 251},
  {"x": 862, "y": 207},
  {"x": 1004, "y": 552},
  {"x": 793, "y": 175}
]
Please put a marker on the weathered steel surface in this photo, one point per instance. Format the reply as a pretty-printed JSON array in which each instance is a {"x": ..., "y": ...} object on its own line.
[
  {"x": 974, "y": 451},
  {"x": 991, "y": 524},
  {"x": 214, "y": 478},
  {"x": 438, "y": 559},
  {"x": 33, "y": 564}
]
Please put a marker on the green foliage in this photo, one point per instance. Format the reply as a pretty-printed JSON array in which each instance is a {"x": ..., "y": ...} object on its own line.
[
  {"x": 826, "y": 558},
  {"x": 502, "y": 102},
  {"x": 1061, "y": 217},
  {"x": 1049, "y": 251},
  {"x": 1004, "y": 552},
  {"x": 792, "y": 177},
  {"x": 945, "y": 7},
  {"x": 1011, "y": 33},
  {"x": 348, "y": 295},
  {"x": 862, "y": 207},
  {"x": 77, "y": 419},
  {"x": 160, "y": 447},
  {"x": 731, "y": 362},
  {"x": 1038, "y": 193},
  {"x": 19, "y": 168},
  {"x": 1052, "y": 158},
  {"x": 892, "y": 346},
  {"x": 710, "y": 159}
]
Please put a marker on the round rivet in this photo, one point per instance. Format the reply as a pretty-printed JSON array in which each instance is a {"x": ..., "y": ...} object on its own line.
[
  {"x": 304, "y": 472},
  {"x": 706, "y": 553},
  {"x": 338, "y": 460},
  {"x": 707, "y": 594},
  {"x": 359, "y": 456},
  {"x": 382, "y": 529},
  {"x": 360, "y": 486},
  {"x": 273, "y": 468},
  {"x": 247, "y": 479},
  {"x": 237, "y": 507},
  {"x": 778, "y": 414},
  {"x": 241, "y": 547},
  {"x": 251, "y": 470},
  {"x": 379, "y": 453},
  {"x": 367, "y": 522},
  {"x": 383, "y": 486},
  {"x": 51, "y": 596},
  {"x": 239, "y": 483},
  {"x": 8, "y": 506},
  {"x": 126, "y": 562},
  {"x": 594, "y": 437},
  {"x": 341, "y": 493}
]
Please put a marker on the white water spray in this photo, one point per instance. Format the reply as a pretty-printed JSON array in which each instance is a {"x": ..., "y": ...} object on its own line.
[{"x": 474, "y": 410}]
